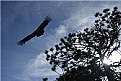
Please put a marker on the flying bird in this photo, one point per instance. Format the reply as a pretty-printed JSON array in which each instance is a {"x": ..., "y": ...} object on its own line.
[{"x": 38, "y": 32}]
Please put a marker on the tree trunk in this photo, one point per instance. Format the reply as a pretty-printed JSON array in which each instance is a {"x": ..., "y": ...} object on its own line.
[{"x": 108, "y": 73}]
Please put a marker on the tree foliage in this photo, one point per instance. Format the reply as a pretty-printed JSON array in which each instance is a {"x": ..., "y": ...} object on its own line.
[{"x": 80, "y": 55}]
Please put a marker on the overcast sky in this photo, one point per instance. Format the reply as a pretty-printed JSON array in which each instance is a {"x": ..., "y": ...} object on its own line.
[{"x": 19, "y": 19}]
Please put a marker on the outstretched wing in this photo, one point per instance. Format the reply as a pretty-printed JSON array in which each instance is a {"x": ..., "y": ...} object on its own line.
[
  {"x": 44, "y": 23},
  {"x": 21, "y": 42},
  {"x": 40, "y": 30}
]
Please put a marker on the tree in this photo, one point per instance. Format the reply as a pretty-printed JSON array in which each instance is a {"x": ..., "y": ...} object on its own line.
[{"x": 80, "y": 55}]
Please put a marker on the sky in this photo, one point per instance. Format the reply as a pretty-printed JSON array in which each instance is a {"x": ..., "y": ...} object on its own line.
[{"x": 21, "y": 18}]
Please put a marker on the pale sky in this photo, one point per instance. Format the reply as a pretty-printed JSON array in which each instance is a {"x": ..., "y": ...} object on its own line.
[{"x": 21, "y": 18}]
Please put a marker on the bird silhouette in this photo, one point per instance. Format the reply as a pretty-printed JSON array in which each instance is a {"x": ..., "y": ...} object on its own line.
[{"x": 38, "y": 32}]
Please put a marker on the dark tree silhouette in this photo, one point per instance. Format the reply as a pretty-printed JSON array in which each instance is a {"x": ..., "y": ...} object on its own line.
[
  {"x": 38, "y": 32},
  {"x": 80, "y": 55}
]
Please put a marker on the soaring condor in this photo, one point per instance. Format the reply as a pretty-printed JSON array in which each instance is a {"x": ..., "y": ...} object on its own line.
[{"x": 38, "y": 32}]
